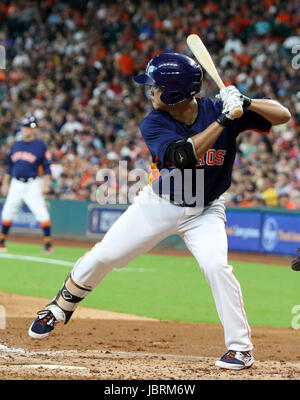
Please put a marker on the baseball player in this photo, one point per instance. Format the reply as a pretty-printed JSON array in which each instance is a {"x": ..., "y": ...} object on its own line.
[
  {"x": 183, "y": 133},
  {"x": 22, "y": 183}
]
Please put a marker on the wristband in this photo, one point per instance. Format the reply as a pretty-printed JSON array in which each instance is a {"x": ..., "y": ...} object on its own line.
[
  {"x": 246, "y": 102},
  {"x": 223, "y": 120}
]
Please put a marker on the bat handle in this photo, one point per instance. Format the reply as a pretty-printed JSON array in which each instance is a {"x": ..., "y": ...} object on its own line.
[{"x": 237, "y": 112}]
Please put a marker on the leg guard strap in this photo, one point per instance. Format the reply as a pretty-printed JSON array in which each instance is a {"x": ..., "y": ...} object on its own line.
[{"x": 69, "y": 297}]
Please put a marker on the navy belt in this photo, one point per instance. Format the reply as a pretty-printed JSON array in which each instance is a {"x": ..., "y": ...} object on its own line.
[
  {"x": 170, "y": 198},
  {"x": 32, "y": 178}
]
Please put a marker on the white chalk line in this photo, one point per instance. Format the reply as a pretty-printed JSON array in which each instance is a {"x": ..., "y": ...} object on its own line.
[
  {"x": 37, "y": 259},
  {"x": 46, "y": 366},
  {"x": 64, "y": 263},
  {"x": 11, "y": 349},
  {"x": 7, "y": 349},
  {"x": 131, "y": 353}
]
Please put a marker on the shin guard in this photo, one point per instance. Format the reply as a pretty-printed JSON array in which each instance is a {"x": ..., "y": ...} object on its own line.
[{"x": 69, "y": 297}]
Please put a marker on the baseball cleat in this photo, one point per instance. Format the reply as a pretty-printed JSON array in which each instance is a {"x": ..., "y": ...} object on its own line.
[
  {"x": 3, "y": 248},
  {"x": 48, "y": 249},
  {"x": 43, "y": 325},
  {"x": 236, "y": 360}
]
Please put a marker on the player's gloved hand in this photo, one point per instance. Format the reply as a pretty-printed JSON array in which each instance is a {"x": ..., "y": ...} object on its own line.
[
  {"x": 229, "y": 106},
  {"x": 228, "y": 91},
  {"x": 233, "y": 93}
]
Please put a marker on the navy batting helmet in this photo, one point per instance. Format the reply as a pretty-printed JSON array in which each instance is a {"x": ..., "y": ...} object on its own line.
[
  {"x": 179, "y": 75},
  {"x": 29, "y": 121}
]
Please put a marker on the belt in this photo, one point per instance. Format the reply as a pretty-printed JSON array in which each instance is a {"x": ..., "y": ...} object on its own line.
[
  {"x": 170, "y": 198},
  {"x": 32, "y": 178}
]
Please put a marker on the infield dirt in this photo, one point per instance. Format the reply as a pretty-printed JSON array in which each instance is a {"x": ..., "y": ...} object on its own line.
[{"x": 100, "y": 345}]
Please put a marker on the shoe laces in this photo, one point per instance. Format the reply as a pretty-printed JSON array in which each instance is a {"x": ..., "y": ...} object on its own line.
[
  {"x": 48, "y": 317},
  {"x": 246, "y": 354},
  {"x": 230, "y": 354}
]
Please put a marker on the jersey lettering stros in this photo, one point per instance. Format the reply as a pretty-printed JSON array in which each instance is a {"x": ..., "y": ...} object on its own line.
[
  {"x": 26, "y": 159},
  {"x": 212, "y": 157},
  {"x": 159, "y": 130}
]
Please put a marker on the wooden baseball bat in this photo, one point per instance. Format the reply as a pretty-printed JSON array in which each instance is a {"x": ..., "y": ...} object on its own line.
[{"x": 203, "y": 57}]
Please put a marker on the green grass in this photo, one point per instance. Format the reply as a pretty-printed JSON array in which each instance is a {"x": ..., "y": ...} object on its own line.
[{"x": 163, "y": 287}]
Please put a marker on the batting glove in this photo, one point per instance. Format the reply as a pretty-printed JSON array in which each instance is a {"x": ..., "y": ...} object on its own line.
[
  {"x": 232, "y": 92},
  {"x": 229, "y": 106}
]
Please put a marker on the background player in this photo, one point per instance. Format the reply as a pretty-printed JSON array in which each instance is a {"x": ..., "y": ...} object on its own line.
[
  {"x": 21, "y": 182},
  {"x": 295, "y": 263},
  {"x": 182, "y": 132}
]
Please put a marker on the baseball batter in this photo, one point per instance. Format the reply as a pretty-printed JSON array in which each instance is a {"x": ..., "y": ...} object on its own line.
[
  {"x": 183, "y": 133},
  {"x": 22, "y": 183}
]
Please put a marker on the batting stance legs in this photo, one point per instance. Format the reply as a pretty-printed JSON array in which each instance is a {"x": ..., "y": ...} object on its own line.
[
  {"x": 138, "y": 230},
  {"x": 207, "y": 241}
]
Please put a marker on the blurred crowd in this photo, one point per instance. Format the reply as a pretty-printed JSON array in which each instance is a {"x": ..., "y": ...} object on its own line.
[{"x": 70, "y": 63}]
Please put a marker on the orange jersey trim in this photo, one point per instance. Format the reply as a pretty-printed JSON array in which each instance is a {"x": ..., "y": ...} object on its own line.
[
  {"x": 256, "y": 130},
  {"x": 155, "y": 174}
]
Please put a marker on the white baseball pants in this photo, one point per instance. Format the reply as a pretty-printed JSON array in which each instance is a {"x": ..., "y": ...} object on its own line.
[
  {"x": 31, "y": 194},
  {"x": 149, "y": 220}
]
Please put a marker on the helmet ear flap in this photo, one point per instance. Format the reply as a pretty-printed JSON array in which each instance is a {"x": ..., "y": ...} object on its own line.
[
  {"x": 197, "y": 82},
  {"x": 171, "y": 96}
]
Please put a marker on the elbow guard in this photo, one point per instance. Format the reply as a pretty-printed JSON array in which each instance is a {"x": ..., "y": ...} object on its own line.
[{"x": 181, "y": 154}]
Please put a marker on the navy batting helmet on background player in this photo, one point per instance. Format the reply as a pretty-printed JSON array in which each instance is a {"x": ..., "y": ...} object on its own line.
[
  {"x": 183, "y": 133},
  {"x": 22, "y": 184}
]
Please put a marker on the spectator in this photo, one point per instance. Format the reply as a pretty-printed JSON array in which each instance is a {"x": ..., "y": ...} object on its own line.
[
  {"x": 269, "y": 193},
  {"x": 71, "y": 126},
  {"x": 285, "y": 202},
  {"x": 296, "y": 201},
  {"x": 249, "y": 197},
  {"x": 233, "y": 44},
  {"x": 283, "y": 184}
]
